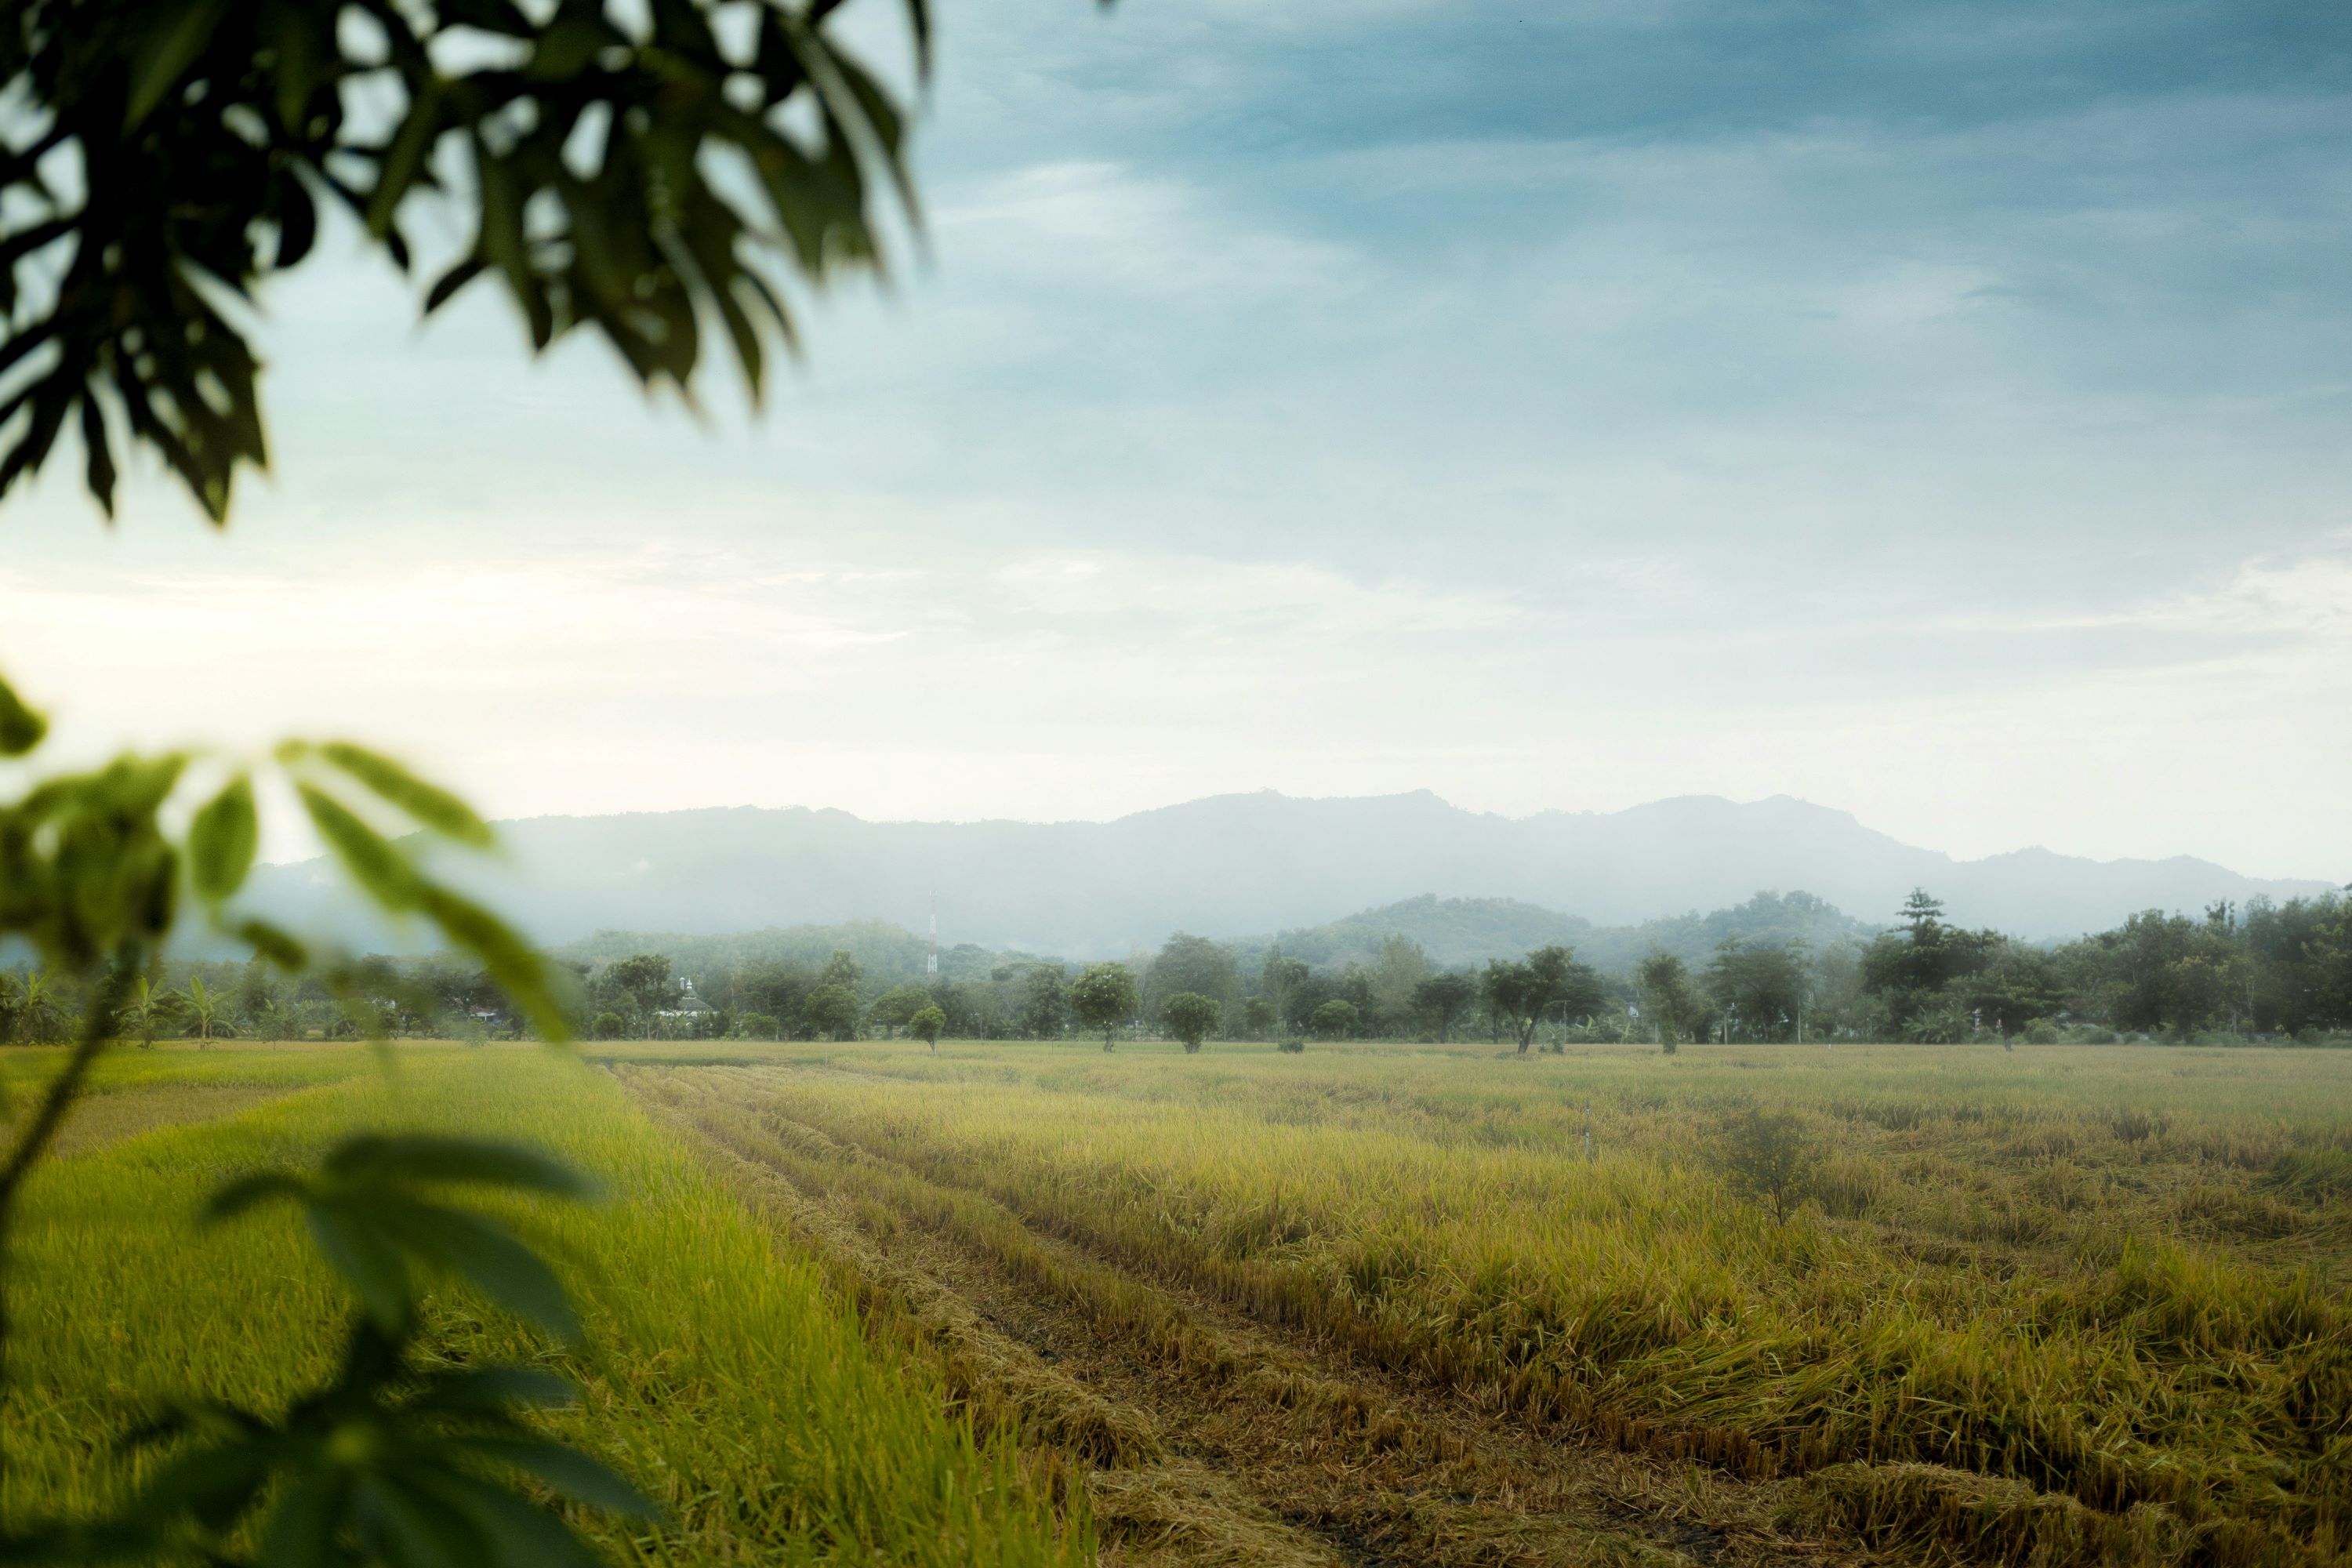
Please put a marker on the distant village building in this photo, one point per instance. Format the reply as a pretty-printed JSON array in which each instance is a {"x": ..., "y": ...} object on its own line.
[{"x": 687, "y": 1008}]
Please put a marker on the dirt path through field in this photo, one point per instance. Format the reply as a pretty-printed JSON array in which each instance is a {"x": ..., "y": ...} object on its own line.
[{"x": 1206, "y": 1437}]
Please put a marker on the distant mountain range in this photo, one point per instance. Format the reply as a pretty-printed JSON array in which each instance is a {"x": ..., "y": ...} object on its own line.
[{"x": 1232, "y": 865}]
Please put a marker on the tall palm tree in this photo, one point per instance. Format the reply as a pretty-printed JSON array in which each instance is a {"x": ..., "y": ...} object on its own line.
[{"x": 208, "y": 1012}]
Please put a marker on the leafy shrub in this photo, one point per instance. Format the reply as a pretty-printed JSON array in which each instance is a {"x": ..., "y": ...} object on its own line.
[
  {"x": 2092, "y": 1035},
  {"x": 1190, "y": 1016},
  {"x": 2043, "y": 1032},
  {"x": 1292, "y": 1044},
  {"x": 1769, "y": 1155},
  {"x": 758, "y": 1026},
  {"x": 606, "y": 1026}
]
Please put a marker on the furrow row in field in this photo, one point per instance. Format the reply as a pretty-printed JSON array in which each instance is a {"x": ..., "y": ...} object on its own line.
[
  {"x": 1210, "y": 1436},
  {"x": 2146, "y": 1410}
]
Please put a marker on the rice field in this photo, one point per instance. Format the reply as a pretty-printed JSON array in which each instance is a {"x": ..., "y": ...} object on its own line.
[
  {"x": 1377, "y": 1305},
  {"x": 720, "y": 1374}
]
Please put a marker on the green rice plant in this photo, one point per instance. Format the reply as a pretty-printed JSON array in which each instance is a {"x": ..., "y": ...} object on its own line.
[{"x": 725, "y": 1378}]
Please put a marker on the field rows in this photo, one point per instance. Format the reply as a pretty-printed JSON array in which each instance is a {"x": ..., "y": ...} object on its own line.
[
  {"x": 1206, "y": 1436},
  {"x": 2158, "y": 1371}
]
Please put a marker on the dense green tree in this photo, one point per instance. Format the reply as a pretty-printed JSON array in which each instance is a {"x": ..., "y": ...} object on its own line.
[
  {"x": 831, "y": 1012},
  {"x": 896, "y": 1007},
  {"x": 777, "y": 987},
  {"x": 925, "y": 1025},
  {"x": 1104, "y": 997},
  {"x": 1763, "y": 987},
  {"x": 1190, "y": 1017},
  {"x": 1192, "y": 964},
  {"x": 1258, "y": 1017},
  {"x": 1334, "y": 1020},
  {"x": 842, "y": 969},
  {"x": 1395, "y": 975},
  {"x": 1444, "y": 997},
  {"x": 1669, "y": 999},
  {"x": 1280, "y": 981},
  {"x": 642, "y": 982},
  {"x": 1044, "y": 1003},
  {"x": 1517, "y": 994},
  {"x": 2017, "y": 985}
]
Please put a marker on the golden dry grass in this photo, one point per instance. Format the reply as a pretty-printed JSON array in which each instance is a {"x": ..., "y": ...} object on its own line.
[{"x": 2068, "y": 1306}]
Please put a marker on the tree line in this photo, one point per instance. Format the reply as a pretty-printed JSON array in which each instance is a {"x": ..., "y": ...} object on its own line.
[{"x": 2266, "y": 971}]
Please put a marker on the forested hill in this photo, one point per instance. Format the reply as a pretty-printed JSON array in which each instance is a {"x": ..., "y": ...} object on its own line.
[
  {"x": 1234, "y": 864},
  {"x": 1458, "y": 932}
]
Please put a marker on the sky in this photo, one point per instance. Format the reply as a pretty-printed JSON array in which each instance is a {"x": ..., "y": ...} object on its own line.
[{"x": 1936, "y": 410}]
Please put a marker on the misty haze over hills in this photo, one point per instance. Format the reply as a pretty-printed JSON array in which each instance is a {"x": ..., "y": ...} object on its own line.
[{"x": 1232, "y": 865}]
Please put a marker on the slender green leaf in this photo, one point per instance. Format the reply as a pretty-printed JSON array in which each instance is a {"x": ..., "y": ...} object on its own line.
[
  {"x": 568, "y": 1471},
  {"x": 247, "y": 1192},
  {"x": 373, "y": 861},
  {"x": 301, "y": 1532},
  {"x": 223, "y": 839},
  {"x": 494, "y": 1388},
  {"x": 175, "y": 36},
  {"x": 519, "y": 972},
  {"x": 419, "y": 1157},
  {"x": 21, "y": 729},
  {"x": 485, "y": 1255},
  {"x": 363, "y": 1254},
  {"x": 429, "y": 804},
  {"x": 278, "y": 946}
]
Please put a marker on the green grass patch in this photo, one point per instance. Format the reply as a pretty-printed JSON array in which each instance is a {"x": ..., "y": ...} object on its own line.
[{"x": 719, "y": 1374}]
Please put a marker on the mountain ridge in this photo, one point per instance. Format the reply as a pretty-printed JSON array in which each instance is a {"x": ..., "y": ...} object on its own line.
[{"x": 1234, "y": 864}]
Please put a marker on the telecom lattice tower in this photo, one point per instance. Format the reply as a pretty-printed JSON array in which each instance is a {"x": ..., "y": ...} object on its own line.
[{"x": 931, "y": 967}]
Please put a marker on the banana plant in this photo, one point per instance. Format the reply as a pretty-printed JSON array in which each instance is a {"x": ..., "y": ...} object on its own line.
[
  {"x": 208, "y": 1012},
  {"x": 40, "y": 1011},
  {"x": 147, "y": 1008}
]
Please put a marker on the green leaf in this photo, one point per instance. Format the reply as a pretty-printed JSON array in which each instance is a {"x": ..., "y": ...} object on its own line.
[
  {"x": 373, "y": 861},
  {"x": 519, "y": 972},
  {"x": 526, "y": 1535},
  {"x": 222, "y": 841},
  {"x": 420, "y": 1157},
  {"x": 301, "y": 1533},
  {"x": 274, "y": 944},
  {"x": 423, "y": 1530},
  {"x": 177, "y": 35},
  {"x": 404, "y": 159},
  {"x": 100, "y": 451},
  {"x": 494, "y": 1388},
  {"x": 260, "y": 1188},
  {"x": 21, "y": 729},
  {"x": 430, "y": 804},
  {"x": 364, "y": 1254},
  {"x": 569, "y": 1471},
  {"x": 481, "y": 1251}
]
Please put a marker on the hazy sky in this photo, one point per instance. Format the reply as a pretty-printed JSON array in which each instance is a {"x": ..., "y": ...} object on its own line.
[{"x": 1937, "y": 411}]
